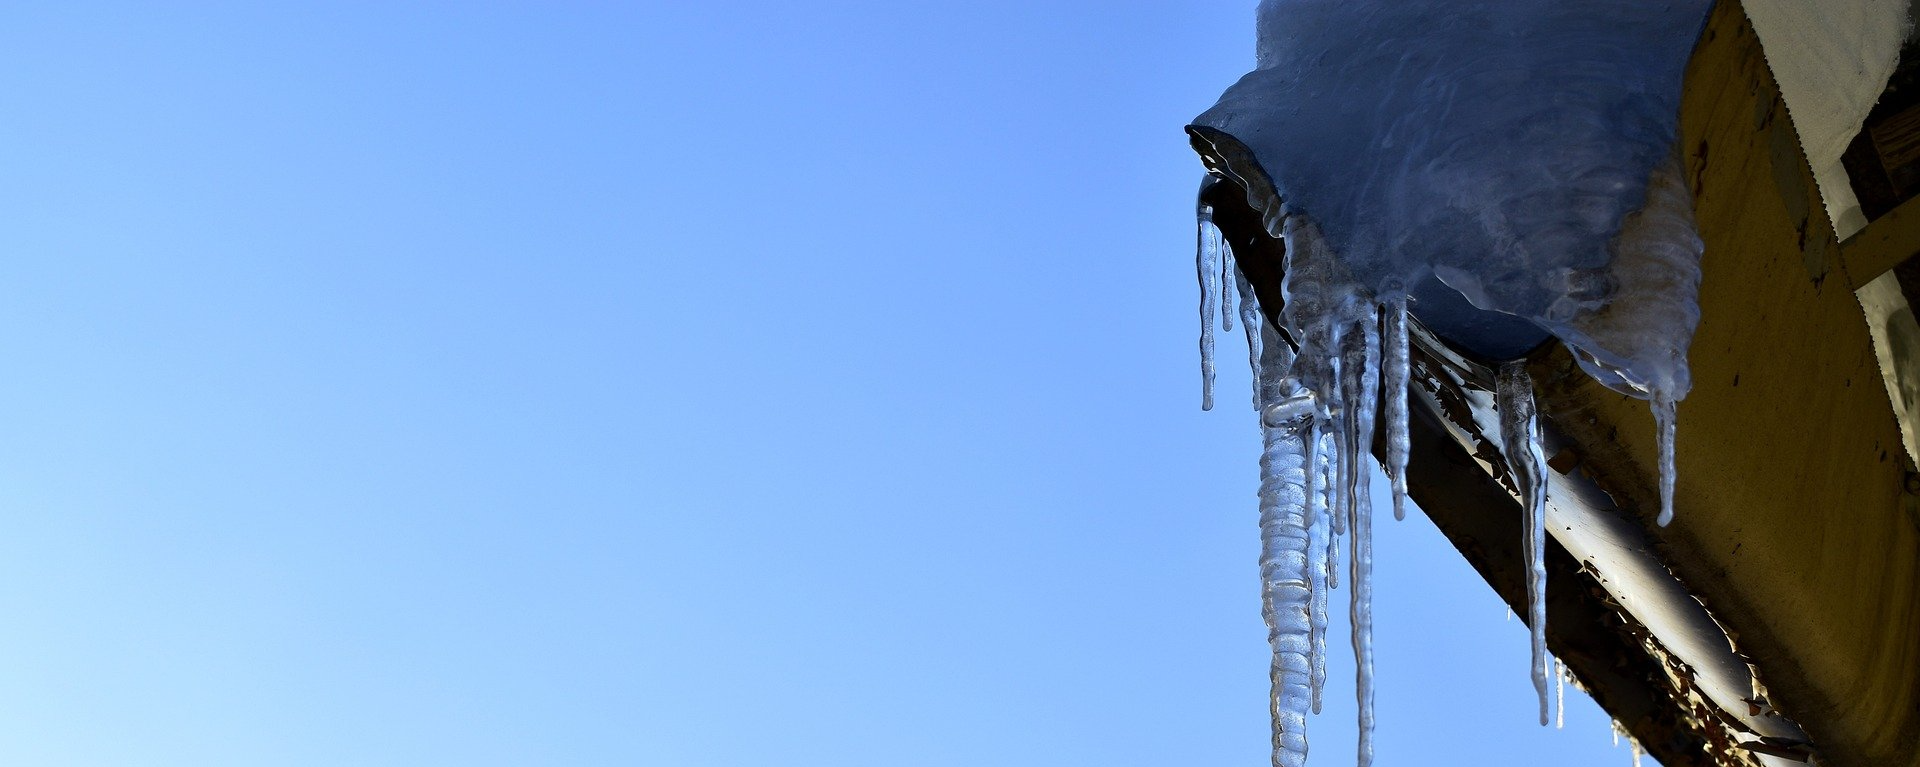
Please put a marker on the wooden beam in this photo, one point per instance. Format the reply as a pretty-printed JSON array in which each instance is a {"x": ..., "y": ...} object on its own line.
[{"x": 1889, "y": 241}]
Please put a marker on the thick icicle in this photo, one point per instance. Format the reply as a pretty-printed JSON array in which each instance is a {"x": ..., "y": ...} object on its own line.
[
  {"x": 1359, "y": 360},
  {"x": 1663, "y": 419},
  {"x": 1207, "y": 261},
  {"x": 1393, "y": 384},
  {"x": 1520, "y": 437},
  {"x": 1287, "y": 414}
]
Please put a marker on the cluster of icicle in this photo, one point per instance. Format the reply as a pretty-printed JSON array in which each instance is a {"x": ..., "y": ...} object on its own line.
[
  {"x": 1319, "y": 391},
  {"x": 1515, "y": 161}
]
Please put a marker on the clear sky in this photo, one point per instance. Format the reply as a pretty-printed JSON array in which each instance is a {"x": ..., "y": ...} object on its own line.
[{"x": 703, "y": 384}]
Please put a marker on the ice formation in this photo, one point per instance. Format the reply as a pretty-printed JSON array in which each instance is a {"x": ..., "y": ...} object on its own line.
[
  {"x": 1285, "y": 547},
  {"x": 1508, "y": 169},
  {"x": 1210, "y": 259},
  {"x": 1520, "y": 441},
  {"x": 1559, "y": 695}
]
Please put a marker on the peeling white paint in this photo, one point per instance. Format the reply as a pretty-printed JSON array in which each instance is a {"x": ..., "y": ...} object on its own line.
[{"x": 1831, "y": 59}]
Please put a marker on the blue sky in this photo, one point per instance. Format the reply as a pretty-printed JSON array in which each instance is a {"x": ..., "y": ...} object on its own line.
[{"x": 648, "y": 384}]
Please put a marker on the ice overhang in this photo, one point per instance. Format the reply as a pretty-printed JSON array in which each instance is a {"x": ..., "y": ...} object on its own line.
[{"x": 1792, "y": 569}]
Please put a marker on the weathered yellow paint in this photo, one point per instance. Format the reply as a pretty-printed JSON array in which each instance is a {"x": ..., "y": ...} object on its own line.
[{"x": 1794, "y": 526}]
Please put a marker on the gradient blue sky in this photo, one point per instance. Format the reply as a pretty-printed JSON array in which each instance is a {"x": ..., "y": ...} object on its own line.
[{"x": 648, "y": 384}]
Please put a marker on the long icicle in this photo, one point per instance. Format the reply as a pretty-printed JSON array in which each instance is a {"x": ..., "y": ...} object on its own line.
[
  {"x": 1228, "y": 269},
  {"x": 1337, "y": 467},
  {"x": 1285, "y": 545},
  {"x": 1393, "y": 384},
  {"x": 1520, "y": 435},
  {"x": 1323, "y": 544},
  {"x": 1343, "y": 467},
  {"x": 1360, "y": 378},
  {"x": 1206, "y": 261}
]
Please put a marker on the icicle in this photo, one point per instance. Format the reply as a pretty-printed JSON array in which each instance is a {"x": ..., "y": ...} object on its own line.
[
  {"x": 1394, "y": 375},
  {"x": 1285, "y": 548},
  {"x": 1322, "y": 543},
  {"x": 1342, "y": 501},
  {"x": 1615, "y": 724},
  {"x": 1287, "y": 599},
  {"x": 1663, "y": 418},
  {"x": 1559, "y": 695},
  {"x": 1313, "y": 299},
  {"x": 1519, "y": 433},
  {"x": 1228, "y": 269},
  {"x": 1343, "y": 447},
  {"x": 1251, "y": 321},
  {"x": 1332, "y": 567},
  {"x": 1316, "y": 612},
  {"x": 1359, "y": 360},
  {"x": 1207, "y": 262},
  {"x": 1635, "y": 745}
]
